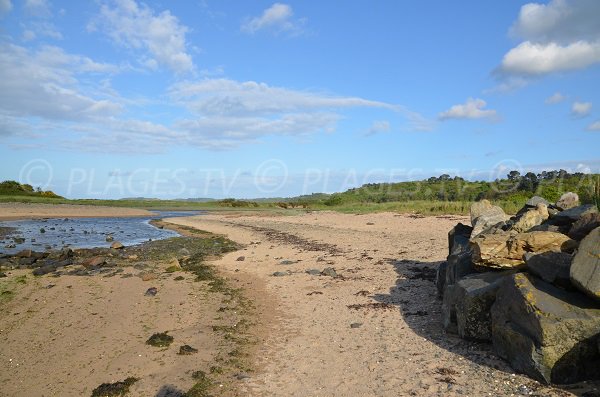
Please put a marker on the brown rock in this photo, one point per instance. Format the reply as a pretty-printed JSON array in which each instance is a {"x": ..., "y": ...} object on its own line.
[
  {"x": 24, "y": 254},
  {"x": 485, "y": 215},
  {"x": 94, "y": 262},
  {"x": 117, "y": 245},
  {"x": 531, "y": 218},
  {"x": 505, "y": 251}
]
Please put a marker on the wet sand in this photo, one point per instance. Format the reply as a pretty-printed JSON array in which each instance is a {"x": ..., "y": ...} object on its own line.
[{"x": 10, "y": 211}]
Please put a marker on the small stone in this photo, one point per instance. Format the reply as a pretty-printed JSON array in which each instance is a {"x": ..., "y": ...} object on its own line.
[
  {"x": 242, "y": 376},
  {"x": 117, "y": 245},
  {"x": 313, "y": 272},
  {"x": 241, "y": 258},
  {"x": 152, "y": 291},
  {"x": 281, "y": 274},
  {"x": 186, "y": 350},
  {"x": 355, "y": 325},
  {"x": 329, "y": 271},
  {"x": 42, "y": 230},
  {"x": 109, "y": 238},
  {"x": 287, "y": 262}
]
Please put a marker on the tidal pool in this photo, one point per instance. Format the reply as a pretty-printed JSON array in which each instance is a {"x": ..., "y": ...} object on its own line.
[{"x": 44, "y": 234}]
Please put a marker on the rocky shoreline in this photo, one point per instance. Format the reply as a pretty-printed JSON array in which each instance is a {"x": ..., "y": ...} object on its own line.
[{"x": 530, "y": 285}]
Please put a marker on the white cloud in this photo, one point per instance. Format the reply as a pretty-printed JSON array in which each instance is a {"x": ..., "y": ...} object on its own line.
[
  {"x": 563, "y": 35},
  {"x": 581, "y": 109},
  {"x": 160, "y": 36},
  {"x": 379, "y": 126},
  {"x": 44, "y": 84},
  {"x": 595, "y": 126},
  {"x": 542, "y": 58},
  {"x": 38, "y": 8},
  {"x": 5, "y": 7},
  {"x": 555, "y": 98},
  {"x": 234, "y": 98},
  {"x": 277, "y": 18},
  {"x": 472, "y": 109},
  {"x": 562, "y": 21}
]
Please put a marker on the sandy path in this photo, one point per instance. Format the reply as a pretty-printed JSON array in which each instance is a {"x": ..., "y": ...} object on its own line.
[
  {"x": 399, "y": 347},
  {"x": 28, "y": 211}
]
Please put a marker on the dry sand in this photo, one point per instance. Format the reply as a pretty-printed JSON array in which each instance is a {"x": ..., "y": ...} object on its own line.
[
  {"x": 398, "y": 348},
  {"x": 67, "y": 339},
  {"x": 10, "y": 211}
]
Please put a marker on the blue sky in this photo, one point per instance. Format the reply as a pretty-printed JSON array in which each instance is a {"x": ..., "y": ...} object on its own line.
[{"x": 122, "y": 98}]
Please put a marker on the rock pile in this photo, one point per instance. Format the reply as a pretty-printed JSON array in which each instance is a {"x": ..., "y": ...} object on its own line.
[{"x": 530, "y": 285}]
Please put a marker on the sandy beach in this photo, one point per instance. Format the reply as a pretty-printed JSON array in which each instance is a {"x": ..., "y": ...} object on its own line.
[
  {"x": 372, "y": 328},
  {"x": 375, "y": 329},
  {"x": 10, "y": 211}
]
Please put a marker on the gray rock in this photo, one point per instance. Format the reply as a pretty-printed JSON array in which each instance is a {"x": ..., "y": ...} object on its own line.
[
  {"x": 355, "y": 325},
  {"x": 584, "y": 225},
  {"x": 241, "y": 258},
  {"x": 573, "y": 214},
  {"x": 535, "y": 200},
  {"x": 484, "y": 215},
  {"x": 329, "y": 271},
  {"x": 585, "y": 270},
  {"x": 449, "y": 309},
  {"x": 40, "y": 271},
  {"x": 459, "y": 234},
  {"x": 567, "y": 200},
  {"x": 474, "y": 296},
  {"x": 313, "y": 272},
  {"x": 440, "y": 278},
  {"x": 552, "y": 267},
  {"x": 109, "y": 238},
  {"x": 546, "y": 332},
  {"x": 281, "y": 274}
]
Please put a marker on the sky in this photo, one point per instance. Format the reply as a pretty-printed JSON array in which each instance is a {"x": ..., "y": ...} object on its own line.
[{"x": 244, "y": 99}]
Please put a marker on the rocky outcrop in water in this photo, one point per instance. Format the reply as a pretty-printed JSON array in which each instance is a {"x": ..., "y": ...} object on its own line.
[{"x": 530, "y": 285}]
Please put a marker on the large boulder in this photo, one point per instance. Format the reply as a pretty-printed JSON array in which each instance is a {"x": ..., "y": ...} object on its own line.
[
  {"x": 584, "y": 225},
  {"x": 552, "y": 267},
  {"x": 484, "y": 215},
  {"x": 473, "y": 298},
  {"x": 585, "y": 270},
  {"x": 568, "y": 200},
  {"x": 506, "y": 251},
  {"x": 546, "y": 332}
]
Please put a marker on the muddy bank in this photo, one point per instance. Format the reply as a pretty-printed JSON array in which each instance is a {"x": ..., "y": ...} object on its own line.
[{"x": 84, "y": 326}]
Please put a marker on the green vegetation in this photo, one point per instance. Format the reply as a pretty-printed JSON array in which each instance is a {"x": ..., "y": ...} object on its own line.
[
  {"x": 436, "y": 195},
  {"x": 16, "y": 189}
]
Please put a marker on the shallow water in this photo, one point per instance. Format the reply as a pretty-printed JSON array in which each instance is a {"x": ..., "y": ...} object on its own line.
[{"x": 84, "y": 232}]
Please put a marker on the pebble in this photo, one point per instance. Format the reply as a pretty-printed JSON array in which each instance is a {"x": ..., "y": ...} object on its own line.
[{"x": 152, "y": 291}]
